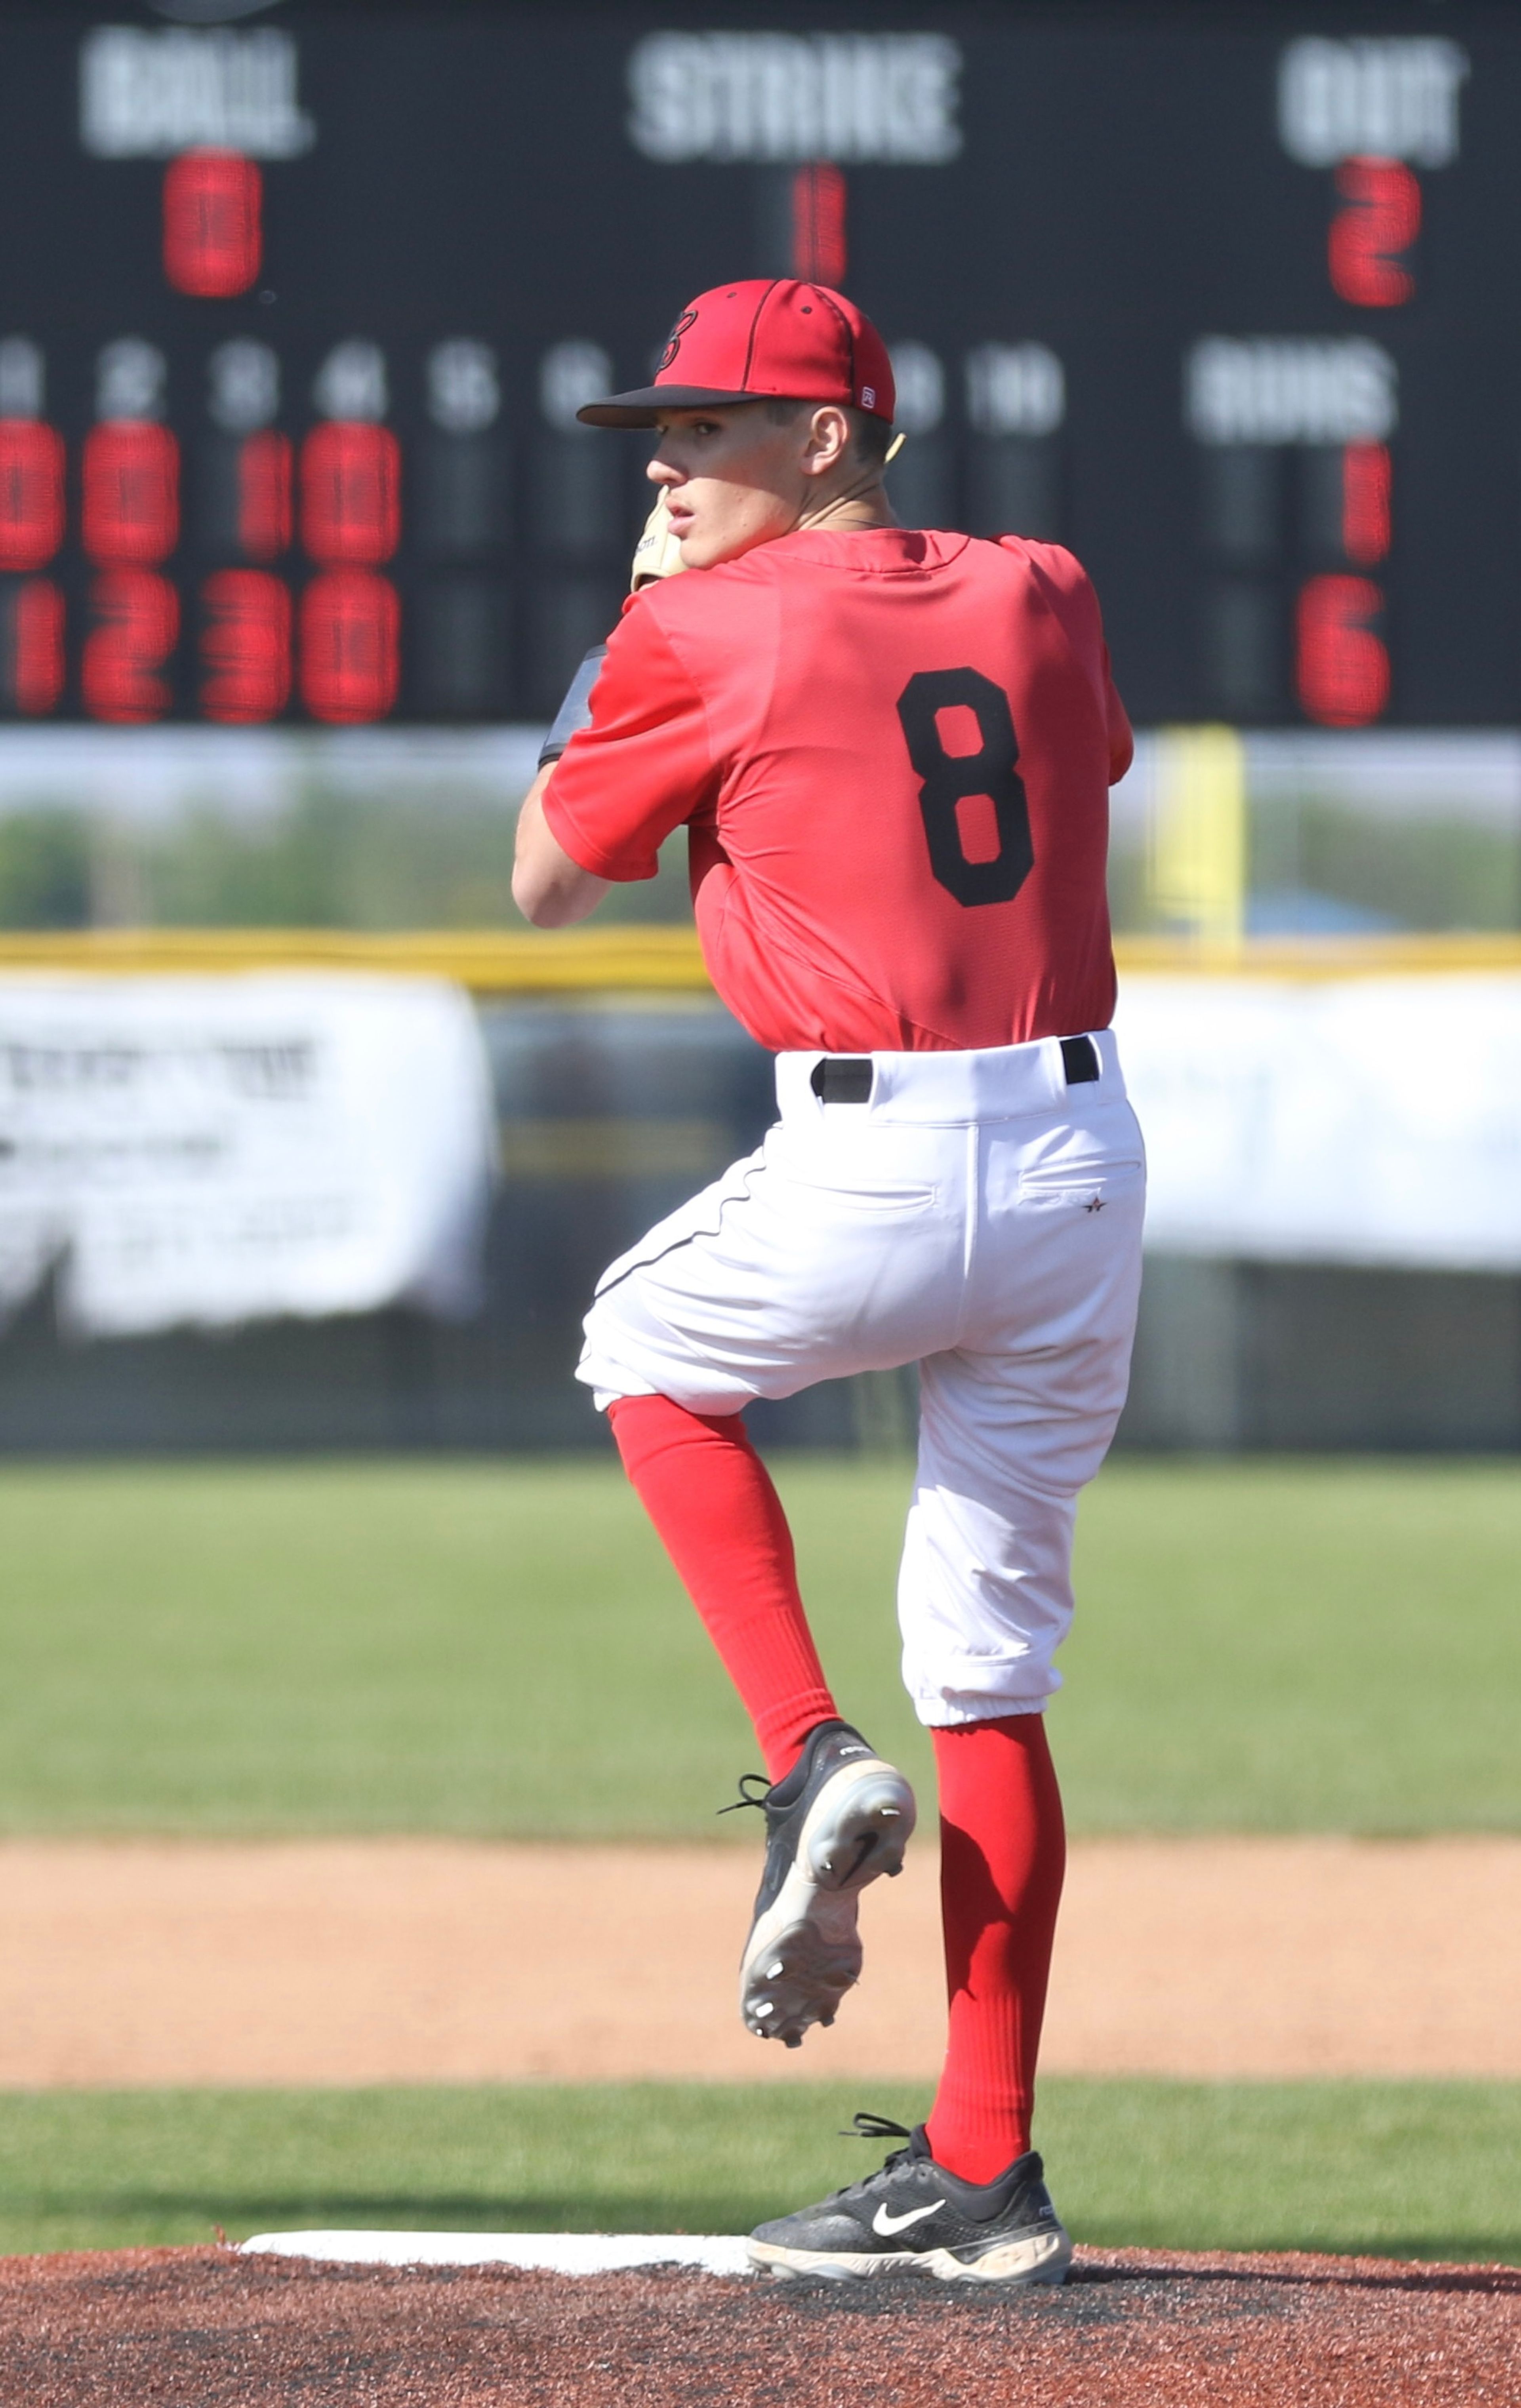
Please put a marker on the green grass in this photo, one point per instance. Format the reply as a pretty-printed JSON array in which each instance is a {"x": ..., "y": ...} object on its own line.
[
  {"x": 1392, "y": 2169},
  {"x": 500, "y": 1647},
  {"x": 385, "y": 1647},
  {"x": 1280, "y": 1646}
]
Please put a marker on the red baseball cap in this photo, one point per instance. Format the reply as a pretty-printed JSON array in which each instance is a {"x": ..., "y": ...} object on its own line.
[{"x": 770, "y": 337}]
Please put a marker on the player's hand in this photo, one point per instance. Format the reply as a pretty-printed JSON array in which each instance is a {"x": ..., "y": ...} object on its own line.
[{"x": 658, "y": 551}]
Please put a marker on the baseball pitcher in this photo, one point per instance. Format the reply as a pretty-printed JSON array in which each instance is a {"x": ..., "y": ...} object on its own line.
[{"x": 891, "y": 751}]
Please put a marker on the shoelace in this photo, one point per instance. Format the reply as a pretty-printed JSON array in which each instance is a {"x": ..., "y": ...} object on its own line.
[
  {"x": 864, "y": 2126},
  {"x": 744, "y": 1798}
]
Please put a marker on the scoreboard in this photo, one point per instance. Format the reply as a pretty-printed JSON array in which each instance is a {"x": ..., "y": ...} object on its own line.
[{"x": 297, "y": 304}]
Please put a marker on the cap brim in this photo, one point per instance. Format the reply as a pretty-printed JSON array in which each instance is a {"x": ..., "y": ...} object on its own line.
[{"x": 647, "y": 406}]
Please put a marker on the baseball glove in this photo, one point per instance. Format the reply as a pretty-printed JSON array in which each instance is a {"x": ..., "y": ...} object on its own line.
[{"x": 658, "y": 551}]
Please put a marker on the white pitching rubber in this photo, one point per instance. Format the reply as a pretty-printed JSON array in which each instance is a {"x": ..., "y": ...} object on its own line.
[{"x": 550, "y": 2253}]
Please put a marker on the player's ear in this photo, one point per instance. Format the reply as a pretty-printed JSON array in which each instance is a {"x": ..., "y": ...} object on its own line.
[{"x": 828, "y": 441}]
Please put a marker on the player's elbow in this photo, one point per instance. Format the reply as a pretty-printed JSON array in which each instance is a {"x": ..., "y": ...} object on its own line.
[
  {"x": 541, "y": 904},
  {"x": 533, "y": 892},
  {"x": 554, "y": 894}
]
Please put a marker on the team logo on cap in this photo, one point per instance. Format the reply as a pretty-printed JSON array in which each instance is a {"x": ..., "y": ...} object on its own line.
[{"x": 673, "y": 340}]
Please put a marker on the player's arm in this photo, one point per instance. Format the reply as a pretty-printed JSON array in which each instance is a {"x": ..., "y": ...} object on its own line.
[{"x": 548, "y": 887}]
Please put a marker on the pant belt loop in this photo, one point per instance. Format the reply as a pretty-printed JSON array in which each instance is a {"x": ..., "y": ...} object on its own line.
[
  {"x": 1080, "y": 1060},
  {"x": 843, "y": 1079}
]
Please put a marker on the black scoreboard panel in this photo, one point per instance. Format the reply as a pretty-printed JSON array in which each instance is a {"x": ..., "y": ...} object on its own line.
[{"x": 297, "y": 307}]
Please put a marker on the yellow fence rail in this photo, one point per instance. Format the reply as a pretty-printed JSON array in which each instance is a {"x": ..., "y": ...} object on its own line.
[
  {"x": 665, "y": 960},
  {"x": 489, "y": 961}
]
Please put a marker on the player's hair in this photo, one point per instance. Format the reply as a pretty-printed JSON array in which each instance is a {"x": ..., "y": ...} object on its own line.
[{"x": 869, "y": 435}]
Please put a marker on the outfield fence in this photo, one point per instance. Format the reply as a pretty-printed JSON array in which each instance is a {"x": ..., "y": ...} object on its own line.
[{"x": 619, "y": 1085}]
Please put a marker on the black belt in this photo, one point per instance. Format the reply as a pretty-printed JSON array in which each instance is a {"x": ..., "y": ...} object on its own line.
[{"x": 846, "y": 1078}]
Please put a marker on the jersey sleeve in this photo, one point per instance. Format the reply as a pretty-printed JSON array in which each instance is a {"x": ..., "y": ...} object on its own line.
[
  {"x": 1121, "y": 743},
  {"x": 643, "y": 766},
  {"x": 1068, "y": 590}
]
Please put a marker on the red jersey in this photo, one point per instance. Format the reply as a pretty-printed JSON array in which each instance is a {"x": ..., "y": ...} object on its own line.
[{"x": 892, "y": 752}]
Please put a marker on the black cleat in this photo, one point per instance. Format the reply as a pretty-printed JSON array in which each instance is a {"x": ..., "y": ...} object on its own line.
[
  {"x": 837, "y": 1820},
  {"x": 915, "y": 2217}
]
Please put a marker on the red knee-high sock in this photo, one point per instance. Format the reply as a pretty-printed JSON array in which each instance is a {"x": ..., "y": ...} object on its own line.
[
  {"x": 1003, "y": 1852},
  {"x": 711, "y": 1498}
]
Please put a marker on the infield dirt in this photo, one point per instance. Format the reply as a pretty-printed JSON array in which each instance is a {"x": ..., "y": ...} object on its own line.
[
  {"x": 415, "y": 1960},
  {"x": 205, "y": 2328}
]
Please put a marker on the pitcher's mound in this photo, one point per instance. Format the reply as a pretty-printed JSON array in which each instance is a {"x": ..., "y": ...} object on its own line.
[{"x": 209, "y": 2329}]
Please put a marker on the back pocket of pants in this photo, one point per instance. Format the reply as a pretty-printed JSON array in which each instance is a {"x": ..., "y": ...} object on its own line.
[
  {"x": 886, "y": 1198},
  {"x": 1080, "y": 1186}
]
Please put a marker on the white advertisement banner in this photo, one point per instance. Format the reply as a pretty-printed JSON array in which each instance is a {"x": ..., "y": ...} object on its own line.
[
  {"x": 212, "y": 1150},
  {"x": 1368, "y": 1120}
]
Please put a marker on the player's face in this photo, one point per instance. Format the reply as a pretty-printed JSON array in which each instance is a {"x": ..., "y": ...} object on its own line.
[{"x": 734, "y": 479}]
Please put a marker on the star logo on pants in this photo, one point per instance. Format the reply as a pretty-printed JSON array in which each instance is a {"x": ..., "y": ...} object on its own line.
[{"x": 1094, "y": 1204}]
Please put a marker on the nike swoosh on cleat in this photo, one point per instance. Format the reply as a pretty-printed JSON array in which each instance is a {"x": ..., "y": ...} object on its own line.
[{"x": 888, "y": 2225}]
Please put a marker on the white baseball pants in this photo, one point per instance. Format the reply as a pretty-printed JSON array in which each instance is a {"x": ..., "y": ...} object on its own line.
[{"x": 978, "y": 1216}]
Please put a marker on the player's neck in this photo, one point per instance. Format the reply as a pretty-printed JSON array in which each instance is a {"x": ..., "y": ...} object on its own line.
[{"x": 850, "y": 510}]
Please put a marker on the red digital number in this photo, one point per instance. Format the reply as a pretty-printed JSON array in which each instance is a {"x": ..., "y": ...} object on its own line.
[
  {"x": 351, "y": 494},
  {"x": 818, "y": 224},
  {"x": 31, "y": 493},
  {"x": 36, "y": 646},
  {"x": 350, "y": 646},
  {"x": 1366, "y": 479},
  {"x": 137, "y": 628},
  {"x": 245, "y": 646},
  {"x": 214, "y": 239},
  {"x": 1341, "y": 665},
  {"x": 1382, "y": 218},
  {"x": 130, "y": 492},
  {"x": 264, "y": 494}
]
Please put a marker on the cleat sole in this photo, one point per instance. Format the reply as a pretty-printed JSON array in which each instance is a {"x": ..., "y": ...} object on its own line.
[
  {"x": 1030, "y": 2258},
  {"x": 804, "y": 1953}
]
